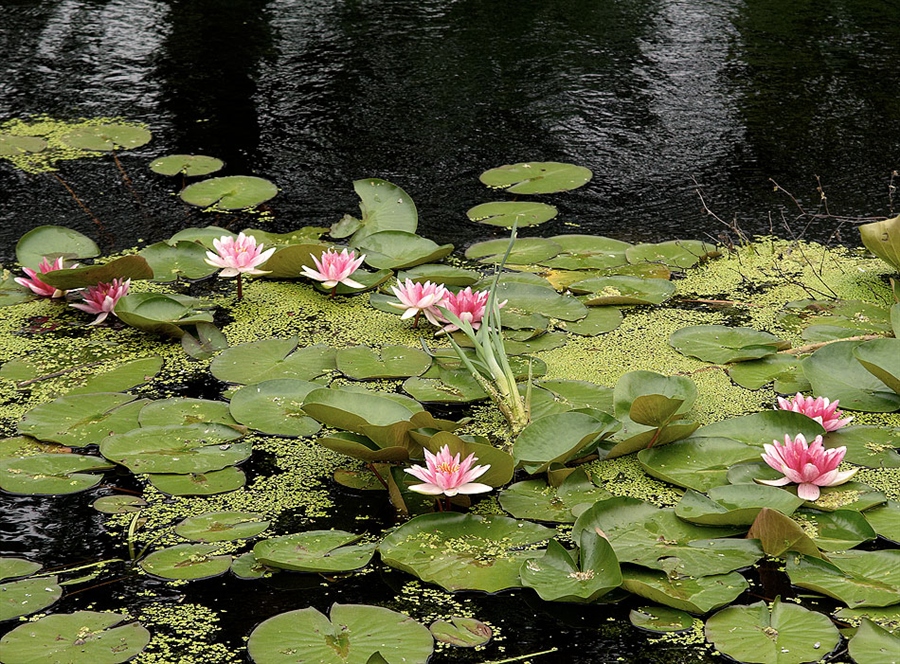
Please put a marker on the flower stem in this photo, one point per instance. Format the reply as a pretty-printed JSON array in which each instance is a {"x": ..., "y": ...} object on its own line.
[{"x": 240, "y": 286}]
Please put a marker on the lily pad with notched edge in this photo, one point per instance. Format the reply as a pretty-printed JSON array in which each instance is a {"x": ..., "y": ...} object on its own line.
[
  {"x": 126, "y": 267},
  {"x": 187, "y": 562},
  {"x": 26, "y": 596},
  {"x": 43, "y": 241},
  {"x": 696, "y": 463},
  {"x": 661, "y": 619},
  {"x": 123, "y": 377},
  {"x": 199, "y": 484},
  {"x": 461, "y": 632},
  {"x": 536, "y": 177},
  {"x": 51, "y": 474},
  {"x": 583, "y": 575},
  {"x": 315, "y": 551},
  {"x": 235, "y": 192},
  {"x": 391, "y": 250},
  {"x": 870, "y": 446},
  {"x": 383, "y": 206},
  {"x": 885, "y": 519},
  {"x": 525, "y": 251},
  {"x": 179, "y": 260},
  {"x": 836, "y": 531},
  {"x": 599, "y": 320},
  {"x": 835, "y": 371},
  {"x": 555, "y": 439},
  {"x": 82, "y": 419},
  {"x": 160, "y": 313},
  {"x": 275, "y": 407},
  {"x": 507, "y": 213},
  {"x": 107, "y": 137},
  {"x": 587, "y": 252},
  {"x": 692, "y": 594},
  {"x": 119, "y": 504},
  {"x": 11, "y": 144},
  {"x": 538, "y": 501},
  {"x": 722, "y": 344},
  {"x": 677, "y": 254},
  {"x": 185, "y": 410},
  {"x": 874, "y": 645},
  {"x": 623, "y": 291},
  {"x": 734, "y": 504},
  {"x": 857, "y": 578},
  {"x": 189, "y": 165},
  {"x": 221, "y": 526},
  {"x": 438, "y": 273},
  {"x": 258, "y": 361},
  {"x": 364, "y": 363},
  {"x": 881, "y": 358}
]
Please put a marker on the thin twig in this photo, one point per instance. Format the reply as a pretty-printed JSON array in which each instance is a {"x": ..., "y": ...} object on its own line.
[
  {"x": 731, "y": 303},
  {"x": 126, "y": 179},
  {"x": 81, "y": 204},
  {"x": 55, "y": 374},
  {"x": 800, "y": 350},
  {"x": 522, "y": 658}
]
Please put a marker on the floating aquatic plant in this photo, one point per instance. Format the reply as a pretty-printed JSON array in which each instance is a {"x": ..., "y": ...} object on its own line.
[
  {"x": 102, "y": 299},
  {"x": 333, "y": 268},
  {"x": 237, "y": 257}
]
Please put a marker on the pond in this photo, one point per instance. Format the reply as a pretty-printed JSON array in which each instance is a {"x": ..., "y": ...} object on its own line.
[{"x": 664, "y": 101}]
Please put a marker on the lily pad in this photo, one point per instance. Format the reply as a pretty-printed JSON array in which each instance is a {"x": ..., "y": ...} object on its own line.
[
  {"x": 126, "y": 267},
  {"x": 189, "y": 165},
  {"x": 288, "y": 262},
  {"x": 315, "y": 551},
  {"x": 873, "y": 645},
  {"x": 525, "y": 251},
  {"x": 234, "y": 192},
  {"x": 538, "y": 501},
  {"x": 581, "y": 576},
  {"x": 398, "y": 249},
  {"x": 453, "y": 386},
  {"x": 870, "y": 446},
  {"x": 258, "y": 361},
  {"x": 623, "y": 290},
  {"x": 857, "y": 578},
  {"x": 722, "y": 344},
  {"x": 160, "y": 314},
  {"x": 12, "y": 568},
  {"x": 835, "y": 371},
  {"x": 26, "y": 596},
  {"x": 692, "y": 594},
  {"x": 364, "y": 363},
  {"x": 507, "y": 213},
  {"x": 587, "y": 252},
  {"x": 43, "y": 241},
  {"x": 123, "y": 377},
  {"x": 734, "y": 504},
  {"x": 384, "y": 207},
  {"x": 778, "y": 534},
  {"x": 837, "y": 531},
  {"x": 754, "y": 374},
  {"x": 463, "y": 551},
  {"x": 16, "y": 145},
  {"x": 199, "y": 484},
  {"x": 185, "y": 410},
  {"x": 108, "y": 137},
  {"x": 762, "y": 427},
  {"x": 678, "y": 254},
  {"x": 355, "y": 634},
  {"x": 881, "y": 358},
  {"x": 221, "y": 526},
  {"x": 51, "y": 474},
  {"x": 187, "y": 562},
  {"x": 356, "y": 411},
  {"x": 882, "y": 238},
  {"x": 696, "y": 463},
  {"x": 119, "y": 504},
  {"x": 599, "y": 320},
  {"x": 783, "y": 634},
  {"x": 528, "y": 299},
  {"x": 247, "y": 567},
  {"x": 438, "y": 273},
  {"x": 461, "y": 632},
  {"x": 661, "y": 619},
  {"x": 83, "y": 637},
  {"x": 82, "y": 419},
  {"x": 275, "y": 407},
  {"x": 555, "y": 439},
  {"x": 885, "y": 519},
  {"x": 179, "y": 260},
  {"x": 536, "y": 177}
]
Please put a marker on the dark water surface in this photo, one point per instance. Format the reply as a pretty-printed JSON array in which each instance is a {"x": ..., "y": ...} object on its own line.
[{"x": 651, "y": 95}]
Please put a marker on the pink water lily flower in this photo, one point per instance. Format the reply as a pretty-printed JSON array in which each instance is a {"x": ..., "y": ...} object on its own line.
[
  {"x": 335, "y": 268},
  {"x": 468, "y": 306},
  {"x": 418, "y": 299},
  {"x": 102, "y": 298},
  {"x": 34, "y": 282},
  {"x": 447, "y": 475},
  {"x": 821, "y": 410},
  {"x": 810, "y": 466},
  {"x": 238, "y": 256}
]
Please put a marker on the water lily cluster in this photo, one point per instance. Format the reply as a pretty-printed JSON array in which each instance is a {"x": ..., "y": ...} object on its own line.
[{"x": 436, "y": 300}]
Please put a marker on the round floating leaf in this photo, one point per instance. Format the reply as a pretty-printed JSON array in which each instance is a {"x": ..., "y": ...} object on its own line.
[
  {"x": 560, "y": 576},
  {"x": 105, "y": 138},
  {"x": 778, "y": 534},
  {"x": 525, "y": 251},
  {"x": 275, "y": 407},
  {"x": 361, "y": 447},
  {"x": 187, "y": 562},
  {"x": 159, "y": 313},
  {"x": 573, "y": 394},
  {"x": 123, "y": 377},
  {"x": 623, "y": 290},
  {"x": 126, "y": 267},
  {"x": 661, "y": 619},
  {"x": 463, "y": 551},
  {"x": 246, "y": 566},
  {"x": 857, "y": 578},
  {"x": 874, "y": 645},
  {"x": 396, "y": 249},
  {"x": 678, "y": 254},
  {"x": 369, "y": 281},
  {"x": 722, "y": 344},
  {"x": 355, "y": 411},
  {"x": 180, "y": 449},
  {"x": 179, "y": 260},
  {"x": 784, "y": 634},
  {"x": 235, "y": 192},
  {"x": 119, "y": 504},
  {"x": 696, "y": 463},
  {"x": 507, "y": 213},
  {"x": 854, "y": 496},
  {"x": 203, "y": 236},
  {"x": 837, "y": 531},
  {"x": 461, "y": 632},
  {"x": 11, "y": 145},
  {"x": 384, "y": 207},
  {"x": 882, "y": 238},
  {"x": 363, "y": 363},
  {"x": 185, "y": 410},
  {"x": 835, "y": 371},
  {"x": 26, "y": 596},
  {"x": 43, "y": 241},
  {"x": 454, "y": 386},
  {"x": 762, "y": 428},
  {"x": 881, "y": 358},
  {"x": 527, "y": 299},
  {"x": 51, "y": 474},
  {"x": 753, "y": 374},
  {"x": 874, "y": 447},
  {"x": 695, "y": 595},
  {"x": 354, "y": 635},
  {"x": 83, "y": 637},
  {"x": 190, "y": 165},
  {"x": 202, "y": 484},
  {"x": 885, "y": 519},
  {"x": 599, "y": 320},
  {"x": 587, "y": 252},
  {"x": 288, "y": 262},
  {"x": 221, "y": 526},
  {"x": 82, "y": 419},
  {"x": 440, "y": 274},
  {"x": 536, "y": 177},
  {"x": 11, "y": 568},
  {"x": 734, "y": 504},
  {"x": 536, "y": 500},
  {"x": 269, "y": 359},
  {"x": 316, "y": 551},
  {"x": 558, "y": 438}
]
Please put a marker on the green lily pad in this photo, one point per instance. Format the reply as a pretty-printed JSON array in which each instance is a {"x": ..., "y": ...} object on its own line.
[
  {"x": 581, "y": 576},
  {"x": 874, "y": 645},
  {"x": 835, "y": 371},
  {"x": 692, "y": 594},
  {"x": 762, "y": 427},
  {"x": 221, "y": 526},
  {"x": 13, "y": 568},
  {"x": 83, "y": 637},
  {"x": 43, "y": 241},
  {"x": 235, "y": 192},
  {"x": 159, "y": 313},
  {"x": 507, "y": 213},
  {"x": 384, "y": 207},
  {"x": 661, "y": 619},
  {"x": 778, "y": 534},
  {"x": 178, "y": 260},
  {"x": 398, "y": 249},
  {"x": 288, "y": 262},
  {"x": 108, "y": 137},
  {"x": 189, "y": 165},
  {"x": 558, "y": 438},
  {"x": 126, "y": 267},
  {"x": 302, "y": 235},
  {"x": 179, "y": 449},
  {"x": 536, "y": 177},
  {"x": 854, "y": 496},
  {"x": 356, "y": 634},
  {"x": 881, "y": 358},
  {"x": 874, "y": 447},
  {"x": 51, "y": 474},
  {"x": 258, "y": 361},
  {"x": 525, "y": 251},
  {"x": 463, "y": 551},
  {"x": 527, "y": 299},
  {"x": 187, "y": 562},
  {"x": 696, "y": 463},
  {"x": 722, "y": 344},
  {"x": 123, "y": 377},
  {"x": 533, "y": 343},
  {"x": 438, "y": 273},
  {"x": 185, "y": 410},
  {"x": 82, "y": 419},
  {"x": 12, "y": 293},
  {"x": 119, "y": 504},
  {"x": 27, "y": 596},
  {"x": 784, "y": 634},
  {"x": 368, "y": 280},
  {"x": 362, "y": 447},
  {"x": 315, "y": 551},
  {"x": 364, "y": 363},
  {"x": 453, "y": 386},
  {"x": 247, "y": 567},
  {"x": 677, "y": 254},
  {"x": 885, "y": 519},
  {"x": 623, "y": 290},
  {"x": 16, "y": 145},
  {"x": 461, "y": 632},
  {"x": 857, "y": 578},
  {"x": 275, "y": 407},
  {"x": 837, "y": 531},
  {"x": 538, "y": 501},
  {"x": 573, "y": 394},
  {"x": 356, "y": 411},
  {"x": 734, "y": 504},
  {"x": 599, "y": 320},
  {"x": 882, "y": 238},
  {"x": 208, "y": 342},
  {"x": 199, "y": 484},
  {"x": 754, "y": 374},
  {"x": 203, "y": 236},
  {"x": 587, "y": 252}
]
